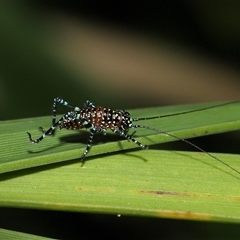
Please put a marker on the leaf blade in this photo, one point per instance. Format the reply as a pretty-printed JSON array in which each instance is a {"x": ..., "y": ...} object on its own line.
[
  {"x": 18, "y": 154},
  {"x": 167, "y": 184}
]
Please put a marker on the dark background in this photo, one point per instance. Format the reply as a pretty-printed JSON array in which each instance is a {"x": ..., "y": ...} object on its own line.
[{"x": 123, "y": 55}]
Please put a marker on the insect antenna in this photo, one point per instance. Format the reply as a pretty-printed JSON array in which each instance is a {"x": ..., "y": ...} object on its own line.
[
  {"x": 184, "y": 140},
  {"x": 190, "y": 111}
]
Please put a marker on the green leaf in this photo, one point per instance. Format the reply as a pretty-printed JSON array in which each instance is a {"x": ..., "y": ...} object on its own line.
[
  {"x": 18, "y": 153},
  {"x": 170, "y": 184},
  {"x": 7, "y": 234},
  {"x": 148, "y": 183}
]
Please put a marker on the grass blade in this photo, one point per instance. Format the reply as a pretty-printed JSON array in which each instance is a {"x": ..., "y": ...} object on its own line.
[
  {"x": 144, "y": 183},
  {"x": 17, "y": 153},
  {"x": 8, "y": 234},
  {"x": 157, "y": 183}
]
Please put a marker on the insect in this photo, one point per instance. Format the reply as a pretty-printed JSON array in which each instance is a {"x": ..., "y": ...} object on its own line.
[{"x": 98, "y": 119}]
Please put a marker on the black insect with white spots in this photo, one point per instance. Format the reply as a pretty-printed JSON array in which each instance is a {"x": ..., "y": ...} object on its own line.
[{"x": 99, "y": 119}]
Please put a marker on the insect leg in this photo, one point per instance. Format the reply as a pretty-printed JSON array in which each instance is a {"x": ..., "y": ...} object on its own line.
[
  {"x": 41, "y": 129},
  {"x": 45, "y": 133},
  {"x": 90, "y": 138},
  {"x": 130, "y": 138},
  {"x": 89, "y": 104},
  {"x": 59, "y": 100},
  {"x": 54, "y": 107}
]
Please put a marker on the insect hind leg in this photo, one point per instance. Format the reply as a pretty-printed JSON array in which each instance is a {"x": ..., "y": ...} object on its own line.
[
  {"x": 49, "y": 132},
  {"x": 59, "y": 100},
  {"x": 89, "y": 104}
]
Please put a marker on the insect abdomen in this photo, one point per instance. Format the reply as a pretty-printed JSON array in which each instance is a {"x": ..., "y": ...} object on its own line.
[{"x": 71, "y": 124}]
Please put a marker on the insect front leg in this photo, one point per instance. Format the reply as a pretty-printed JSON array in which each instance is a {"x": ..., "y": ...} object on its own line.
[{"x": 130, "y": 138}]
